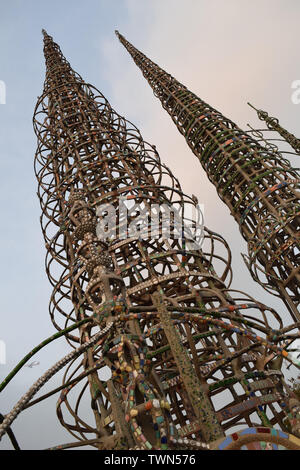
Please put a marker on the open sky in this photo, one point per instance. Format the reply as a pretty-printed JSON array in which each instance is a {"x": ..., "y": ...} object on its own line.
[{"x": 227, "y": 52}]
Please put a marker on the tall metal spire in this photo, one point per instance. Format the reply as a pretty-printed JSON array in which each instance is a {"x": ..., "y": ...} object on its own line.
[
  {"x": 165, "y": 354},
  {"x": 260, "y": 188},
  {"x": 273, "y": 125}
]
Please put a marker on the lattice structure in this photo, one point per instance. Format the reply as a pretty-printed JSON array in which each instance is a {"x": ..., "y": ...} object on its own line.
[
  {"x": 169, "y": 355},
  {"x": 273, "y": 125},
  {"x": 259, "y": 186}
]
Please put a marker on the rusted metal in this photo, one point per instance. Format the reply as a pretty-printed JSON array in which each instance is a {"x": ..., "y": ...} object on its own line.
[
  {"x": 273, "y": 125},
  {"x": 172, "y": 357},
  {"x": 259, "y": 186},
  {"x": 89, "y": 156}
]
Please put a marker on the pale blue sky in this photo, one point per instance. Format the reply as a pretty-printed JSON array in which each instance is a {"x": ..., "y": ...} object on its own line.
[{"x": 226, "y": 52}]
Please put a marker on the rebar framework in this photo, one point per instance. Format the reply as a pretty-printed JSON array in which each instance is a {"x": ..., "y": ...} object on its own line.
[
  {"x": 273, "y": 125},
  {"x": 259, "y": 186},
  {"x": 164, "y": 350}
]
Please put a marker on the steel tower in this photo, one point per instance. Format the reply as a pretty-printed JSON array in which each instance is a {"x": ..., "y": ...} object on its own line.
[
  {"x": 168, "y": 349},
  {"x": 168, "y": 355},
  {"x": 258, "y": 185},
  {"x": 273, "y": 125}
]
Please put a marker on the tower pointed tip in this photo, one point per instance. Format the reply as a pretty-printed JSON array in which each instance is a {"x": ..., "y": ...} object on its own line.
[
  {"x": 46, "y": 36},
  {"x": 251, "y": 106},
  {"x": 119, "y": 35}
]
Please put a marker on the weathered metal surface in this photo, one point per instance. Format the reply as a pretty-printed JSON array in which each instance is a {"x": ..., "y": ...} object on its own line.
[
  {"x": 89, "y": 156},
  {"x": 259, "y": 186}
]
